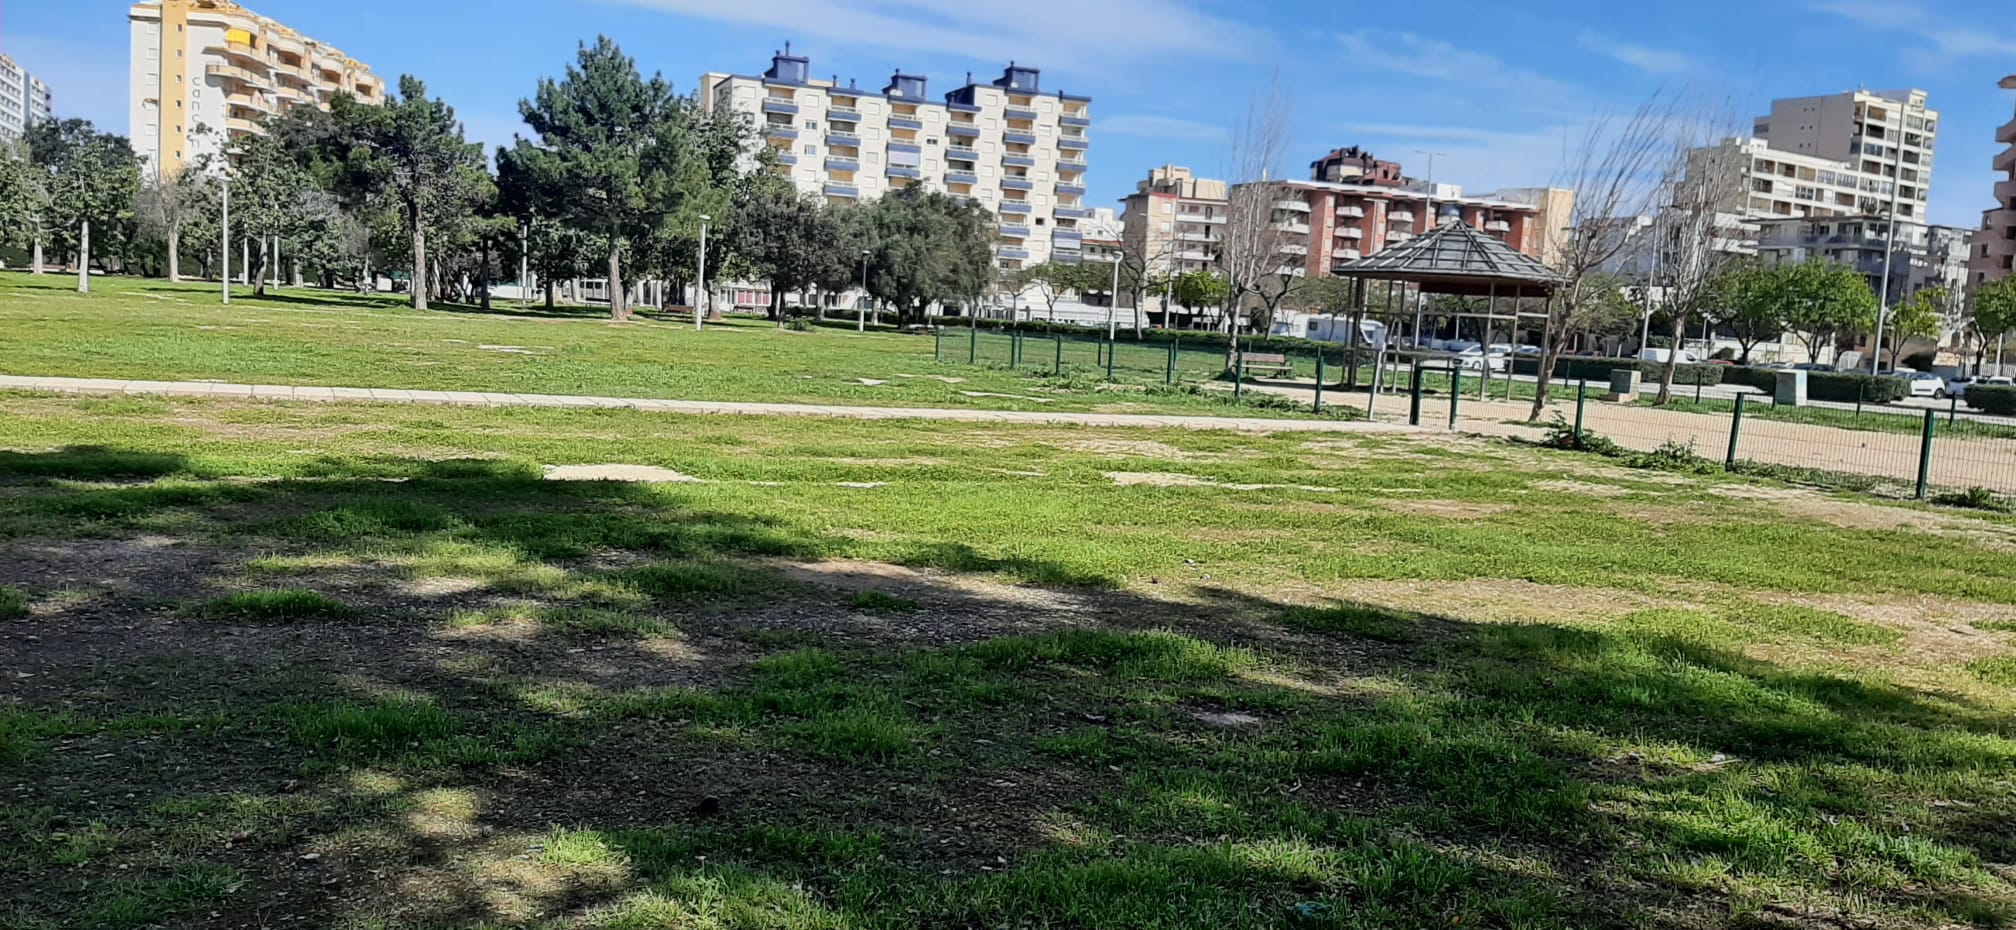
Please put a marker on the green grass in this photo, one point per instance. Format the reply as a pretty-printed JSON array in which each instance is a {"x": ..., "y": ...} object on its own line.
[
  {"x": 1876, "y": 418},
  {"x": 147, "y": 329},
  {"x": 1128, "y": 706},
  {"x": 276, "y": 606},
  {"x": 13, "y": 603}
]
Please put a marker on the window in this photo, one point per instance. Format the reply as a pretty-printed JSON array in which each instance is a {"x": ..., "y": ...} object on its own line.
[
  {"x": 1039, "y": 221},
  {"x": 811, "y": 150},
  {"x": 1167, "y": 226},
  {"x": 811, "y": 124},
  {"x": 1167, "y": 209}
]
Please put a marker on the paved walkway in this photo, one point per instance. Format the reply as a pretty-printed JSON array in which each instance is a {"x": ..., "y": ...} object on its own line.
[{"x": 710, "y": 407}]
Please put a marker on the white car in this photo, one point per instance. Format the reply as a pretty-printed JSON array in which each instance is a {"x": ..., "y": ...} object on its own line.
[
  {"x": 1958, "y": 386},
  {"x": 1474, "y": 359},
  {"x": 1926, "y": 384}
]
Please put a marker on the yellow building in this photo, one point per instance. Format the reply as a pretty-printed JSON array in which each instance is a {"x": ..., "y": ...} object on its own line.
[{"x": 216, "y": 65}]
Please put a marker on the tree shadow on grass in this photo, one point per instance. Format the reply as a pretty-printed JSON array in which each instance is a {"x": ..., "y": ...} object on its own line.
[{"x": 1214, "y": 761}]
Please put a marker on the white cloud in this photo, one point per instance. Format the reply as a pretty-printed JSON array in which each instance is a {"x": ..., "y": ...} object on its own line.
[
  {"x": 1071, "y": 35},
  {"x": 1414, "y": 55},
  {"x": 1642, "y": 57},
  {"x": 1162, "y": 127},
  {"x": 1947, "y": 36}
]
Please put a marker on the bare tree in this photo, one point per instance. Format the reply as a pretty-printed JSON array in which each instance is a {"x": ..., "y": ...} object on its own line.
[
  {"x": 1615, "y": 173},
  {"x": 1254, "y": 251},
  {"x": 1700, "y": 188},
  {"x": 169, "y": 203}
]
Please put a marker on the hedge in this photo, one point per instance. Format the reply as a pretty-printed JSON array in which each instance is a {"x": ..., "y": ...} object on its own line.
[
  {"x": 1597, "y": 370},
  {"x": 1995, "y": 399},
  {"x": 1835, "y": 386},
  {"x": 1200, "y": 339}
]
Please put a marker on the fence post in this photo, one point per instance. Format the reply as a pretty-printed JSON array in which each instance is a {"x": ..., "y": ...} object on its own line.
[
  {"x": 1581, "y": 404},
  {"x": 1414, "y": 406},
  {"x": 1698, "y": 381},
  {"x": 973, "y": 347},
  {"x": 1860, "y": 390},
  {"x": 1169, "y": 372},
  {"x": 1455, "y": 395},
  {"x": 1319, "y": 380},
  {"x": 1239, "y": 374},
  {"x": 1925, "y": 454},
  {"x": 1058, "y": 368},
  {"x": 1735, "y": 431},
  {"x": 938, "y": 345},
  {"x": 1953, "y": 411},
  {"x": 1110, "y": 347},
  {"x": 1015, "y": 350}
]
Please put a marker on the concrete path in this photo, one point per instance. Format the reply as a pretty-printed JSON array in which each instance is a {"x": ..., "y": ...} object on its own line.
[{"x": 720, "y": 408}]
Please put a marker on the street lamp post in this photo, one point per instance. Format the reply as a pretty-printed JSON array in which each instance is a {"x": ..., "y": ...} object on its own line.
[
  {"x": 700, "y": 287},
  {"x": 1889, "y": 247},
  {"x": 225, "y": 247},
  {"x": 1113, "y": 304},
  {"x": 860, "y": 312}
]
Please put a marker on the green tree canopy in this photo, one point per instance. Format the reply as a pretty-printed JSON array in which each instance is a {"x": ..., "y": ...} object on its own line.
[
  {"x": 1753, "y": 303},
  {"x": 791, "y": 242},
  {"x": 88, "y": 178},
  {"x": 927, "y": 248},
  {"x": 1824, "y": 300}
]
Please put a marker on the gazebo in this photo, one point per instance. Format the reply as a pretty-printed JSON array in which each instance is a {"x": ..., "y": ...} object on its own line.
[{"x": 1457, "y": 260}]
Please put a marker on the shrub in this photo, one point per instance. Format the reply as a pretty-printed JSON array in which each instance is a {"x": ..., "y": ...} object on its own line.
[
  {"x": 1836, "y": 386},
  {"x": 1995, "y": 399},
  {"x": 1973, "y": 499},
  {"x": 279, "y": 606},
  {"x": 1597, "y": 371}
]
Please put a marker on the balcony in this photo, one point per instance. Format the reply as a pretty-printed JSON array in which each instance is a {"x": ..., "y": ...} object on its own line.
[
  {"x": 1351, "y": 213},
  {"x": 1007, "y": 252},
  {"x": 1077, "y": 167},
  {"x": 905, "y": 122},
  {"x": 842, "y": 190},
  {"x": 780, "y": 131},
  {"x": 2006, "y": 159},
  {"x": 1293, "y": 206},
  {"x": 786, "y": 158},
  {"x": 2007, "y": 133},
  {"x": 961, "y": 153},
  {"x": 1070, "y": 190},
  {"x": 1196, "y": 255},
  {"x": 1346, "y": 255},
  {"x": 1068, "y": 240},
  {"x": 1022, "y": 113},
  {"x": 235, "y": 73},
  {"x": 1018, "y": 161},
  {"x": 1071, "y": 213},
  {"x": 963, "y": 131},
  {"x": 961, "y": 177},
  {"x": 2005, "y": 190},
  {"x": 1017, "y": 184},
  {"x": 1075, "y": 144},
  {"x": 1299, "y": 229},
  {"x": 251, "y": 102},
  {"x": 1079, "y": 121},
  {"x": 240, "y": 124},
  {"x": 1400, "y": 216},
  {"x": 1398, "y": 235},
  {"x": 1498, "y": 226},
  {"x": 1350, "y": 232},
  {"x": 840, "y": 114},
  {"x": 1204, "y": 236},
  {"x": 1014, "y": 206},
  {"x": 1013, "y": 231},
  {"x": 1201, "y": 217},
  {"x": 1295, "y": 250},
  {"x": 1018, "y": 138},
  {"x": 240, "y": 52},
  {"x": 783, "y": 105},
  {"x": 842, "y": 164},
  {"x": 843, "y": 138},
  {"x": 1063, "y": 257},
  {"x": 911, "y": 147},
  {"x": 904, "y": 171}
]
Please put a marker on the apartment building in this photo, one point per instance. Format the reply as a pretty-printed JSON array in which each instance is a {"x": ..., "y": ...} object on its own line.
[
  {"x": 1994, "y": 245},
  {"x": 216, "y": 65},
  {"x": 24, "y": 101},
  {"x": 1176, "y": 220},
  {"x": 1882, "y": 136},
  {"x": 1923, "y": 257},
  {"x": 1008, "y": 145},
  {"x": 1355, "y": 165},
  {"x": 1346, "y": 222}
]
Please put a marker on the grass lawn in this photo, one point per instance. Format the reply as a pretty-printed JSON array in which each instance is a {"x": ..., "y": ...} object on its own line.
[
  {"x": 152, "y": 330},
  {"x": 1876, "y": 419},
  {"x": 366, "y": 666}
]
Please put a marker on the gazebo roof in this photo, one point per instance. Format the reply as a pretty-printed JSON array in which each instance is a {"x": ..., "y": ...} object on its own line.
[{"x": 1456, "y": 259}]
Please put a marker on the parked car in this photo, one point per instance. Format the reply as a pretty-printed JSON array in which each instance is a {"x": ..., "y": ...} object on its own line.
[
  {"x": 1474, "y": 358},
  {"x": 1812, "y": 366},
  {"x": 1957, "y": 387},
  {"x": 1527, "y": 351},
  {"x": 1925, "y": 384},
  {"x": 1722, "y": 361}
]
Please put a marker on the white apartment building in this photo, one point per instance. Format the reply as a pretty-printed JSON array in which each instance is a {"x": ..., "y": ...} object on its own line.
[
  {"x": 24, "y": 100},
  {"x": 1009, "y": 146},
  {"x": 1994, "y": 255},
  {"x": 216, "y": 65},
  {"x": 1882, "y": 136}
]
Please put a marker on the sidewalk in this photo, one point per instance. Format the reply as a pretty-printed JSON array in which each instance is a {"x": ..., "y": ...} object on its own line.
[{"x": 705, "y": 407}]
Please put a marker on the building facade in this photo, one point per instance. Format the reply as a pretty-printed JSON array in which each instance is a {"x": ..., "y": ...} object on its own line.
[
  {"x": 1355, "y": 165},
  {"x": 1881, "y": 136},
  {"x": 1347, "y": 222},
  {"x": 24, "y": 101},
  {"x": 1994, "y": 246},
  {"x": 205, "y": 72},
  {"x": 1924, "y": 257},
  {"x": 1175, "y": 220},
  {"x": 1009, "y": 146}
]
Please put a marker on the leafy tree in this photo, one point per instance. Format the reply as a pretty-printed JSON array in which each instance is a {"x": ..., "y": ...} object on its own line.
[
  {"x": 411, "y": 149},
  {"x": 790, "y": 241},
  {"x": 1052, "y": 280},
  {"x": 1824, "y": 300},
  {"x": 271, "y": 195},
  {"x": 927, "y": 248},
  {"x": 1918, "y": 317},
  {"x": 91, "y": 179},
  {"x": 168, "y": 205},
  {"x": 1992, "y": 314},
  {"x": 23, "y": 198},
  {"x": 1752, "y": 303},
  {"x": 616, "y": 155},
  {"x": 1194, "y": 290}
]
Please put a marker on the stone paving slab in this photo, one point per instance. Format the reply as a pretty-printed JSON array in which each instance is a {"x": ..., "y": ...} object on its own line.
[{"x": 699, "y": 407}]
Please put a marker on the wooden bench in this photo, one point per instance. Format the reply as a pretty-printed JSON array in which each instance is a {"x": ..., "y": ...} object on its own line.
[{"x": 1274, "y": 365}]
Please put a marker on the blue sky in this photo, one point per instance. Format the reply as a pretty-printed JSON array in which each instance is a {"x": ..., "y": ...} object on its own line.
[{"x": 1497, "y": 88}]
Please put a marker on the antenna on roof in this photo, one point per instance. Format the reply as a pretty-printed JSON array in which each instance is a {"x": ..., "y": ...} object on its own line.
[{"x": 787, "y": 46}]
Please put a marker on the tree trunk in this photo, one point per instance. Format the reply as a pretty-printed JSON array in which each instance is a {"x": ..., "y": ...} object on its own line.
[
  {"x": 483, "y": 282},
  {"x": 1550, "y": 355},
  {"x": 36, "y": 262},
  {"x": 1672, "y": 362},
  {"x": 777, "y": 305},
  {"x": 84, "y": 258},
  {"x": 419, "y": 286},
  {"x": 175, "y": 256},
  {"x": 617, "y": 310},
  {"x": 549, "y": 293}
]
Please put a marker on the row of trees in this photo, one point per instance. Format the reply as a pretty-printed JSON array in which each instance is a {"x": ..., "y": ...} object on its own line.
[{"x": 617, "y": 177}]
